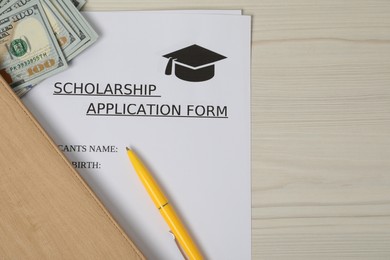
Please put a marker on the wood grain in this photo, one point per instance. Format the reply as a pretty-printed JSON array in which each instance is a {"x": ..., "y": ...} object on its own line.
[
  {"x": 47, "y": 211},
  {"x": 320, "y": 122}
]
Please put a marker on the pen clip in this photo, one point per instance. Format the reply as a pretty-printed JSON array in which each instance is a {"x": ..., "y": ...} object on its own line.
[{"x": 178, "y": 246}]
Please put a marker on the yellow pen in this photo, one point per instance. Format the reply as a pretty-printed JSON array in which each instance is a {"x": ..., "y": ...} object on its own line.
[{"x": 177, "y": 228}]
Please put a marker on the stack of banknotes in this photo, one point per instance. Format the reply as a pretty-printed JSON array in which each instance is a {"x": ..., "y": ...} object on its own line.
[{"x": 38, "y": 38}]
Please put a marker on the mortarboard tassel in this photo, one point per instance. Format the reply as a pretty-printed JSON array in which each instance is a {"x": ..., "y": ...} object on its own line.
[{"x": 168, "y": 69}]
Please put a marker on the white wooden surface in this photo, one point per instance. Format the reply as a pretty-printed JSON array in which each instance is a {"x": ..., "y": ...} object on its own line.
[{"x": 320, "y": 121}]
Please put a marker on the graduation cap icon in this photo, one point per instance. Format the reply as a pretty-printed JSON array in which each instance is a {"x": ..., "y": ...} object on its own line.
[{"x": 193, "y": 63}]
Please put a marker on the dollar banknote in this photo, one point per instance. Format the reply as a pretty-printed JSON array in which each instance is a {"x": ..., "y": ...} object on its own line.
[
  {"x": 2, "y": 4},
  {"x": 79, "y": 24},
  {"x": 65, "y": 35},
  {"x": 78, "y": 3},
  {"x": 28, "y": 57},
  {"x": 74, "y": 24},
  {"x": 23, "y": 91},
  {"x": 29, "y": 51}
]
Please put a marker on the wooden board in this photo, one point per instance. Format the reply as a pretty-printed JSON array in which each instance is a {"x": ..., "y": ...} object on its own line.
[{"x": 46, "y": 209}]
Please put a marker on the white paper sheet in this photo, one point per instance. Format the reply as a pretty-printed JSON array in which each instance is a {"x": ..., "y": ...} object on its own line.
[{"x": 202, "y": 163}]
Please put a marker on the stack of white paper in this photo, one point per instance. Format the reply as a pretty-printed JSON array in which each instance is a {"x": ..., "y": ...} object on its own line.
[{"x": 175, "y": 86}]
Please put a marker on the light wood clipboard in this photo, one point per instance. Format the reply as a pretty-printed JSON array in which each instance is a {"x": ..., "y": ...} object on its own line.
[{"x": 46, "y": 209}]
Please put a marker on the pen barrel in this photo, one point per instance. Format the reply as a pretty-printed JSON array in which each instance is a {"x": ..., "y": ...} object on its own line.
[
  {"x": 177, "y": 228},
  {"x": 181, "y": 235},
  {"x": 147, "y": 180}
]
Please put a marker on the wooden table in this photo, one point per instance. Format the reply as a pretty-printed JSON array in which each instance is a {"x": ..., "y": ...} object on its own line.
[{"x": 320, "y": 124}]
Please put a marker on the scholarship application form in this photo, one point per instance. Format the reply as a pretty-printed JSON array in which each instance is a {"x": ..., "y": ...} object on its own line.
[{"x": 175, "y": 88}]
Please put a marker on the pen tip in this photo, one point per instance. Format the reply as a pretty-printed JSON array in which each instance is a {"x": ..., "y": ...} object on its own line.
[{"x": 127, "y": 148}]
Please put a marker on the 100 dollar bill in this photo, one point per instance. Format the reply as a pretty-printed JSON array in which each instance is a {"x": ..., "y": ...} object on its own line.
[
  {"x": 29, "y": 51},
  {"x": 78, "y": 3},
  {"x": 65, "y": 35},
  {"x": 78, "y": 23}
]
